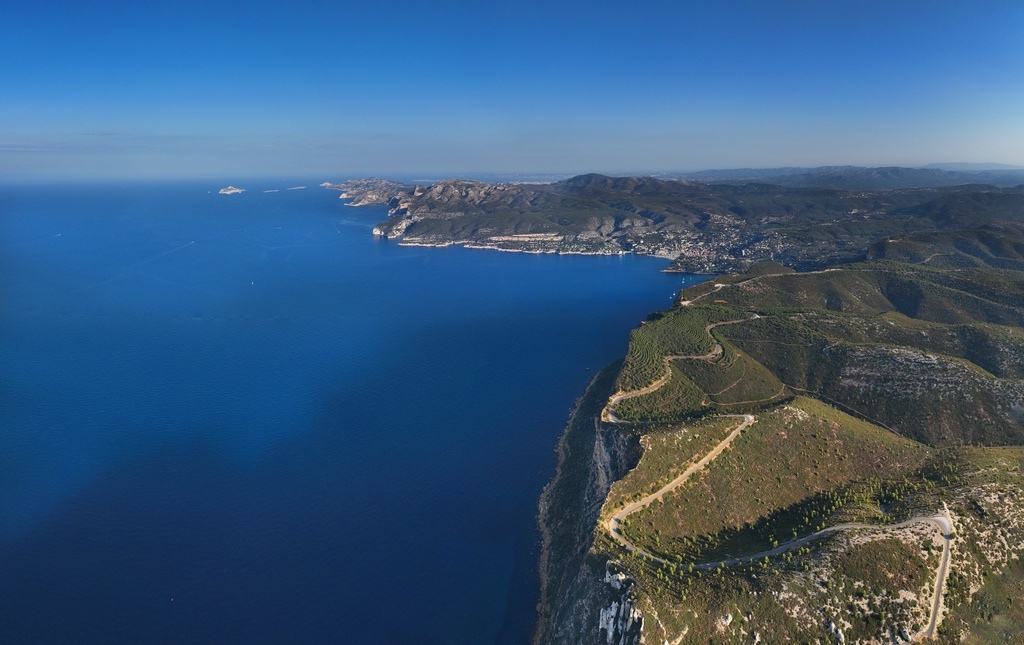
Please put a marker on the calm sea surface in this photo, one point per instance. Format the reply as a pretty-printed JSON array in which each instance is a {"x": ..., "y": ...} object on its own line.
[{"x": 244, "y": 419}]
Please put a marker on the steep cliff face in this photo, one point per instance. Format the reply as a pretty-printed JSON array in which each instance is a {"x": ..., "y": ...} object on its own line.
[{"x": 581, "y": 600}]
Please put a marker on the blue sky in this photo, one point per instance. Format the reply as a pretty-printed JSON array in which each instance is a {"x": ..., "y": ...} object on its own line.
[{"x": 117, "y": 89}]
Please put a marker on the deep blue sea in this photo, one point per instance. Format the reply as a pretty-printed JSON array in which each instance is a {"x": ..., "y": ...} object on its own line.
[{"x": 244, "y": 419}]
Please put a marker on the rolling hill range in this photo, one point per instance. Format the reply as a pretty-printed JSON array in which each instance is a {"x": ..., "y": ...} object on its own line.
[
  {"x": 997, "y": 245},
  {"x": 831, "y": 455},
  {"x": 937, "y": 355}
]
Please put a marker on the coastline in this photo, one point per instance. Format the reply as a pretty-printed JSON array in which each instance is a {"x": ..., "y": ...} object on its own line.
[
  {"x": 544, "y": 603},
  {"x": 550, "y": 243},
  {"x": 469, "y": 244},
  {"x": 499, "y": 603},
  {"x": 591, "y": 456},
  {"x": 671, "y": 268},
  {"x": 488, "y": 247}
]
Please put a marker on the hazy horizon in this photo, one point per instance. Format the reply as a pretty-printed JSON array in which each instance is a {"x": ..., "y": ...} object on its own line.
[
  {"x": 196, "y": 90},
  {"x": 261, "y": 182}
]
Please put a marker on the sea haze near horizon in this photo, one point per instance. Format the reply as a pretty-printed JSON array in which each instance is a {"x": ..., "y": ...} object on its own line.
[{"x": 242, "y": 418}]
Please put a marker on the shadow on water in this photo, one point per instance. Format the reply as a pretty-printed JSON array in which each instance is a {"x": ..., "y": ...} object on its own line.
[{"x": 352, "y": 530}]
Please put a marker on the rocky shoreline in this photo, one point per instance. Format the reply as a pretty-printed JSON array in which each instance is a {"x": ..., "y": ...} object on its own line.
[{"x": 581, "y": 601}]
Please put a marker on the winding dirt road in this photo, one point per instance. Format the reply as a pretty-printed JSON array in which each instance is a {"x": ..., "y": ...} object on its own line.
[
  {"x": 615, "y": 522},
  {"x": 608, "y": 414},
  {"x": 946, "y": 526},
  {"x": 943, "y": 522},
  {"x": 719, "y": 285}
]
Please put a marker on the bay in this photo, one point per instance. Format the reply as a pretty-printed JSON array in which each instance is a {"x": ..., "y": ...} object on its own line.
[{"x": 242, "y": 418}]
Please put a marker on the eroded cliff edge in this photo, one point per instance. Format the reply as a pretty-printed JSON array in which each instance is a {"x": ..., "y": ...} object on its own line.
[{"x": 579, "y": 602}]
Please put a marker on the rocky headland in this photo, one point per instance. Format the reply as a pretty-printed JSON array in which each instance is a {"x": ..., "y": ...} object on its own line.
[{"x": 700, "y": 227}]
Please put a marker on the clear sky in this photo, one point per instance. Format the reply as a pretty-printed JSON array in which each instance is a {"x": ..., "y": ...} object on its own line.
[{"x": 338, "y": 89}]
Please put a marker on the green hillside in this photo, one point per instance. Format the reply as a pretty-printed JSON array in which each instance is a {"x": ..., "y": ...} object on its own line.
[
  {"x": 936, "y": 355},
  {"x": 882, "y": 394},
  {"x": 997, "y": 245},
  {"x": 791, "y": 471}
]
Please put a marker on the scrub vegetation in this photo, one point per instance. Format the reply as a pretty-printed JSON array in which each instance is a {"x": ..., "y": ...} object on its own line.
[
  {"x": 676, "y": 332},
  {"x": 885, "y": 392}
]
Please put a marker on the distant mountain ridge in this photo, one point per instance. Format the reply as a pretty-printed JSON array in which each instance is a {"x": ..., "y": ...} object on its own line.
[
  {"x": 860, "y": 178},
  {"x": 970, "y": 166}
]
